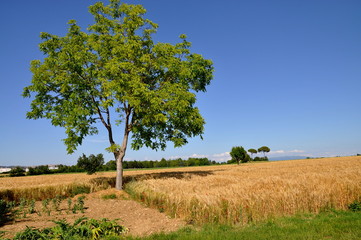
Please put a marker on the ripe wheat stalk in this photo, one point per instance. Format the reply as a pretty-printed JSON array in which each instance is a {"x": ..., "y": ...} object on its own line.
[{"x": 253, "y": 192}]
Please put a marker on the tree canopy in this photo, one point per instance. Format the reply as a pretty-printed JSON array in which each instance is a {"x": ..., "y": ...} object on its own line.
[
  {"x": 239, "y": 154},
  {"x": 114, "y": 73},
  {"x": 90, "y": 164},
  {"x": 264, "y": 149},
  {"x": 252, "y": 151}
]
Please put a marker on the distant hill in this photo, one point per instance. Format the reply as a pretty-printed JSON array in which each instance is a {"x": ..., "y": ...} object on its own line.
[{"x": 287, "y": 158}]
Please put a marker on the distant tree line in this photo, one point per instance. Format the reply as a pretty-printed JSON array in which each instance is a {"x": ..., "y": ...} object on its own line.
[
  {"x": 96, "y": 163},
  {"x": 169, "y": 163}
]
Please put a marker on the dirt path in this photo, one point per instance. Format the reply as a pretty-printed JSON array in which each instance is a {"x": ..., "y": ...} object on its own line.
[{"x": 139, "y": 219}]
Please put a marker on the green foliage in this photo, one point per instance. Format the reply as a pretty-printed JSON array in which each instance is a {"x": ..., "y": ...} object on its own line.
[
  {"x": 17, "y": 172},
  {"x": 231, "y": 161},
  {"x": 252, "y": 151},
  {"x": 30, "y": 233},
  {"x": 69, "y": 202},
  {"x": 56, "y": 203},
  {"x": 355, "y": 206},
  {"x": 31, "y": 209},
  {"x": 169, "y": 163},
  {"x": 111, "y": 165},
  {"x": 82, "y": 228},
  {"x": 13, "y": 211},
  {"x": 44, "y": 169},
  {"x": 22, "y": 206},
  {"x": 79, "y": 189},
  {"x": 68, "y": 169},
  {"x": 91, "y": 164},
  {"x": 264, "y": 149},
  {"x": 45, "y": 204},
  {"x": 115, "y": 67},
  {"x": 260, "y": 159},
  {"x": 6, "y": 211},
  {"x": 79, "y": 205},
  {"x": 39, "y": 170},
  {"x": 109, "y": 196},
  {"x": 238, "y": 154}
]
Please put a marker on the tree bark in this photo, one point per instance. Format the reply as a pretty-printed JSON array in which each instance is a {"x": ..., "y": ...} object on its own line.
[
  {"x": 120, "y": 155},
  {"x": 119, "y": 177}
]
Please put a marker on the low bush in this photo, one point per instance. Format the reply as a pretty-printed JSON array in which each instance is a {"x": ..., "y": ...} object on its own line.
[
  {"x": 17, "y": 172},
  {"x": 260, "y": 159},
  {"x": 6, "y": 211},
  {"x": 355, "y": 206},
  {"x": 82, "y": 228}
]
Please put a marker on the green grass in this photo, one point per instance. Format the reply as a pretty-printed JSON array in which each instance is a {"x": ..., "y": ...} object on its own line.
[
  {"x": 329, "y": 225},
  {"x": 109, "y": 196}
]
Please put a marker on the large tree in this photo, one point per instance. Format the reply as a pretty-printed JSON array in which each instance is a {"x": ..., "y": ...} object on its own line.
[{"x": 114, "y": 73}]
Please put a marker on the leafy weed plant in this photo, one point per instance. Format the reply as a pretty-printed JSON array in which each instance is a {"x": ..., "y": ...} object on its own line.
[
  {"x": 6, "y": 211},
  {"x": 82, "y": 228},
  {"x": 56, "y": 203},
  {"x": 45, "y": 204},
  {"x": 79, "y": 205}
]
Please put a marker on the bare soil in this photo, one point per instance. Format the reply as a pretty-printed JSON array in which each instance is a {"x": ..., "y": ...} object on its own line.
[{"x": 139, "y": 219}]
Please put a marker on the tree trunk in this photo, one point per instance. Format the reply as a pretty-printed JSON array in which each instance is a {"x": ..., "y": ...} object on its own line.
[
  {"x": 119, "y": 178},
  {"x": 119, "y": 158}
]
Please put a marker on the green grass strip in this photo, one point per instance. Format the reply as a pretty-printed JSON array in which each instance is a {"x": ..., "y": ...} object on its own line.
[{"x": 330, "y": 225}]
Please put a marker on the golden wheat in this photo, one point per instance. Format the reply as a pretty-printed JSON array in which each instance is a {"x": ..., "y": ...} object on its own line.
[
  {"x": 48, "y": 186},
  {"x": 226, "y": 194},
  {"x": 252, "y": 192}
]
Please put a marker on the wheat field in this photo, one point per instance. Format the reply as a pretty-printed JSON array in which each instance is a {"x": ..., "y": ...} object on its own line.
[
  {"x": 48, "y": 186},
  {"x": 255, "y": 191},
  {"x": 232, "y": 194}
]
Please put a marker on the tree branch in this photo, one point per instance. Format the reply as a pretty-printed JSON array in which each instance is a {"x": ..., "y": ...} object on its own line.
[{"x": 106, "y": 123}]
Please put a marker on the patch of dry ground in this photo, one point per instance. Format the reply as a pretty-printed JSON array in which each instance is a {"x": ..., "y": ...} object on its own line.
[{"x": 137, "y": 218}]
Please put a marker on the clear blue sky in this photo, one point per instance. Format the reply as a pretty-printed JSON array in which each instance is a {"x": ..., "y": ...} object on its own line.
[{"x": 287, "y": 75}]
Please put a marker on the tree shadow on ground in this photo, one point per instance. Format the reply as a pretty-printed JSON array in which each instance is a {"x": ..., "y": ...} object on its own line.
[
  {"x": 110, "y": 181},
  {"x": 164, "y": 175}
]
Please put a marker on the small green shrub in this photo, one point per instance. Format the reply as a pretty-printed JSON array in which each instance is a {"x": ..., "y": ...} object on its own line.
[
  {"x": 260, "y": 159},
  {"x": 30, "y": 233},
  {"x": 6, "y": 211},
  {"x": 355, "y": 206},
  {"x": 69, "y": 205},
  {"x": 45, "y": 204},
  {"x": 56, "y": 203},
  {"x": 32, "y": 207},
  {"x": 79, "y": 205},
  {"x": 22, "y": 207},
  {"x": 81, "y": 229}
]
